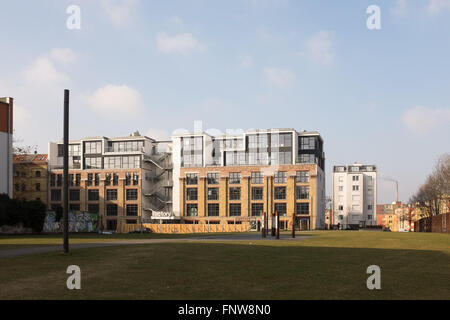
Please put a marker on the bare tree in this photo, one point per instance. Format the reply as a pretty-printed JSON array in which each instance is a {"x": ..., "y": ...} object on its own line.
[
  {"x": 436, "y": 189},
  {"x": 18, "y": 148}
]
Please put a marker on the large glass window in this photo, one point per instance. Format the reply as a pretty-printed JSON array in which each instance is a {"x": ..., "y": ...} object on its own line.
[
  {"x": 93, "y": 147},
  {"x": 257, "y": 178},
  {"x": 307, "y": 143},
  {"x": 280, "y": 193},
  {"x": 191, "y": 179},
  {"x": 93, "y": 208},
  {"x": 281, "y": 140},
  {"x": 280, "y": 208},
  {"x": 93, "y": 163},
  {"x": 257, "y": 209},
  {"x": 74, "y": 195},
  {"x": 191, "y": 194},
  {"x": 191, "y": 210},
  {"x": 213, "y": 209},
  {"x": 302, "y": 177},
  {"x": 235, "y": 193},
  {"x": 124, "y": 146},
  {"x": 281, "y": 157},
  {"x": 302, "y": 193},
  {"x": 56, "y": 195},
  {"x": 93, "y": 195},
  {"x": 307, "y": 158},
  {"x": 235, "y": 178},
  {"x": 280, "y": 177},
  {"x": 235, "y": 209},
  {"x": 302, "y": 208},
  {"x": 111, "y": 194},
  {"x": 213, "y": 178},
  {"x": 213, "y": 194},
  {"x": 257, "y": 193},
  {"x": 135, "y": 179},
  {"x": 111, "y": 210},
  {"x": 132, "y": 210},
  {"x": 132, "y": 194}
]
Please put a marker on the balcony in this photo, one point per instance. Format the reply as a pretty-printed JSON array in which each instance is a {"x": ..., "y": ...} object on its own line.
[
  {"x": 124, "y": 150},
  {"x": 75, "y": 166}
]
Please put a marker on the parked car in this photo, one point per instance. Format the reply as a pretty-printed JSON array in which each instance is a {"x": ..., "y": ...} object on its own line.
[{"x": 141, "y": 230}]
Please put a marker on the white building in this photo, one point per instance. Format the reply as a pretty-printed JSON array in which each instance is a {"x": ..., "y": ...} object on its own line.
[
  {"x": 6, "y": 153},
  {"x": 354, "y": 195}
]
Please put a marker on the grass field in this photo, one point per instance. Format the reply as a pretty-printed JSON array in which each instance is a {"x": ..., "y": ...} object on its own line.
[
  {"x": 8, "y": 242},
  {"x": 328, "y": 265}
]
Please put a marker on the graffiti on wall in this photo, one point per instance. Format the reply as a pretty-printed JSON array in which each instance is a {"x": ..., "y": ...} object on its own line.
[{"x": 78, "y": 222}]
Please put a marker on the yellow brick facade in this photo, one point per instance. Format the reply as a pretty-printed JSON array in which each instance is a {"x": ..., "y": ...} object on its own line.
[
  {"x": 308, "y": 221},
  {"x": 120, "y": 222},
  {"x": 30, "y": 177}
]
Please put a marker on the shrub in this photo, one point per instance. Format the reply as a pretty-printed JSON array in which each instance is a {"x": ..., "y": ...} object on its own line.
[{"x": 31, "y": 214}]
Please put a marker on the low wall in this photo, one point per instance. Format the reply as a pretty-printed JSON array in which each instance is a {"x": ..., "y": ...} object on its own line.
[
  {"x": 190, "y": 228},
  {"x": 78, "y": 222},
  {"x": 437, "y": 224},
  {"x": 441, "y": 223}
]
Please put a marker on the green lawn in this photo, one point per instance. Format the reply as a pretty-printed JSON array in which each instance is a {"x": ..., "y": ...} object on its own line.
[
  {"x": 27, "y": 241},
  {"x": 329, "y": 265}
]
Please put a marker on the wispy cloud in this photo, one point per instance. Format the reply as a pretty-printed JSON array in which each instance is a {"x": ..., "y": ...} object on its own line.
[
  {"x": 182, "y": 43},
  {"x": 43, "y": 71},
  {"x": 279, "y": 78},
  {"x": 400, "y": 8},
  {"x": 116, "y": 101},
  {"x": 120, "y": 12},
  {"x": 436, "y": 6},
  {"x": 422, "y": 119},
  {"x": 319, "y": 47}
]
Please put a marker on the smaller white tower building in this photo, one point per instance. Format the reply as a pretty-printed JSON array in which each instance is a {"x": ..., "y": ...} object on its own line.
[{"x": 354, "y": 196}]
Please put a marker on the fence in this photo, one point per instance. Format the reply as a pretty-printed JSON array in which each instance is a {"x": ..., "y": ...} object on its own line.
[
  {"x": 190, "y": 228},
  {"x": 437, "y": 224}
]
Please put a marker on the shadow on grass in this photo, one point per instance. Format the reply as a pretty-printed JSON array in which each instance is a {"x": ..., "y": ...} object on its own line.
[{"x": 228, "y": 271}]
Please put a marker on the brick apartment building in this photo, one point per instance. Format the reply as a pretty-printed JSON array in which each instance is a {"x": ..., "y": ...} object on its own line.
[
  {"x": 232, "y": 178},
  {"x": 30, "y": 177},
  {"x": 123, "y": 179}
]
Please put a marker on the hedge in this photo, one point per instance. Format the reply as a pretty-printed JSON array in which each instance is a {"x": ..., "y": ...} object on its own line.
[{"x": 31, "y": 214}]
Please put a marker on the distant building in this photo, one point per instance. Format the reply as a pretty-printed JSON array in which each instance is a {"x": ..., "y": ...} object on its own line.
[
  {"x": 6, "y": 153},
  {"x": 386, "y": 217},
  {"x": 227, "y": 178},
  {"x": 125, "y": 180},
  {"x": 30, "y": 177},
  {"x": 354, "y": 196}
]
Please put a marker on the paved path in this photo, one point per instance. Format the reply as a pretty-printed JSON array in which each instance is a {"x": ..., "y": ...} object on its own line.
[{"x": 46, "y": 249}]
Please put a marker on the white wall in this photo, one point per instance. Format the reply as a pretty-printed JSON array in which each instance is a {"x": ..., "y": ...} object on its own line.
[
  {"x": 355, "y": 203},
  {"x": 176, "y": 159}
]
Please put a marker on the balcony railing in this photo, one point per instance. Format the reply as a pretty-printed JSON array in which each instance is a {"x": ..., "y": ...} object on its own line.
[
  {"x": 123, "y": 150},
  {"x": 76, "y": 166}
]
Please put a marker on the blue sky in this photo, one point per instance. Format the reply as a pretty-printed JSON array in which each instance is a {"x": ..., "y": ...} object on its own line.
[{"x": 376, "y": 96}]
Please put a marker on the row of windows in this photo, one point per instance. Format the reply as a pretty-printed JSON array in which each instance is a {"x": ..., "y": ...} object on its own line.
[
  {"x": 93, "y": 195},
  {"x": 95, "y": 147},
  {"x": 302, "y": 193},
  {"x": 18, "y": 187},
  {"x": 56, "y": 180},
  {"x": 256, "y": 178},
  {"x": 111, "y": 209},
  {"x": 256, "y": 209},
  {"x": 23, "y": 174}
]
